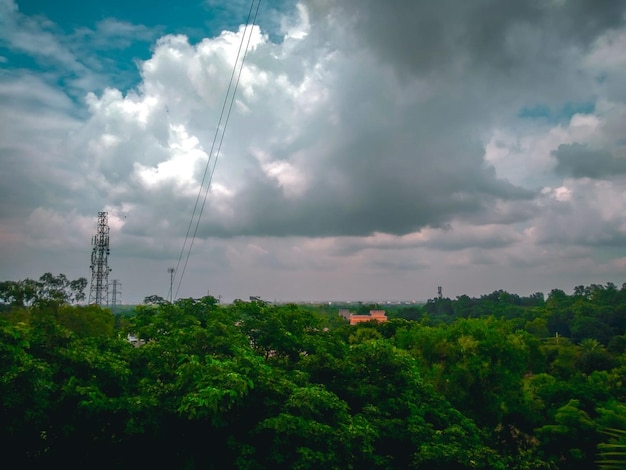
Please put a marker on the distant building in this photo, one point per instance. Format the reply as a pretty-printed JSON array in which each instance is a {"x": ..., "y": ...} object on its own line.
[
  {"x": 132, "y": 339},
  {"x": 345, "y": 313},
  {"x": 374, "y": 315}
]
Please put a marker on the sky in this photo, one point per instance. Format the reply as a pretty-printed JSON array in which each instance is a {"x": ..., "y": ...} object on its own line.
[{"x": 373, "y": 152}]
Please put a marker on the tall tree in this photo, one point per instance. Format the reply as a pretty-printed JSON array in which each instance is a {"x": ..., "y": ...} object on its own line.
[{"x": 49, "y": 288}]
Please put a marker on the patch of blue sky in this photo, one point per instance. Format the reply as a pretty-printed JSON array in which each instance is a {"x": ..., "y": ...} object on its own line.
[
  {"x": 72, "y": 15},
  {"x": 228, "y": 15},
  {"x": 196, "y": 19},
  {"x": 111, "y": 38},
  {"x": 556, "y": 114},
  {"x": 117, "y": 68},
  {"x": 17, "y": 60}
]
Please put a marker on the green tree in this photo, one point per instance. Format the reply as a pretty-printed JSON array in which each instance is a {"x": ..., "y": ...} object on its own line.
[
  {"x": 87, "y": 321},
  {"x": 612, "y": 451},
  {"x": 572, "y": 440},
  {"x": 612, "y": 455},
  {"x": 26, "y": 394},
  {"x": 49, "y": 288},
  {"x": 313, "y": 430},
  {"x": 409, "y": 421},
  {"x": 593, "y": 356},
  {"x": 277, "y": 332}
]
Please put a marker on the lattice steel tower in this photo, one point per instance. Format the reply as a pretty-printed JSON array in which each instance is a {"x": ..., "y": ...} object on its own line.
[
  {"x": 171, "y": 272},
  {"x": 99, "y": 290},
  {"x": 117, "y": 291}
]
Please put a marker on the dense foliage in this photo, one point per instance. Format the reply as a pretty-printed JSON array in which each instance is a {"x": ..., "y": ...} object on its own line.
[{"x": 496, "y": 382}]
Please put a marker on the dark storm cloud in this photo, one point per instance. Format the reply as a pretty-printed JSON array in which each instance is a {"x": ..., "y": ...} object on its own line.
[
  {"x": 364, "y": 205},
  {"x": 397, "y": 161},
  {"x": 421, "y": 36},
  {"x": 579, "y": 161},
  {"x": 589, "y": 216},
  {"x": 381, "y": 156},
  {"x": 395, "y": 144}
]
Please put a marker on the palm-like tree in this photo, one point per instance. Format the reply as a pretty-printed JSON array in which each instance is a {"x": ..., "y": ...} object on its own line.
[{"x": 613, "y": 454}]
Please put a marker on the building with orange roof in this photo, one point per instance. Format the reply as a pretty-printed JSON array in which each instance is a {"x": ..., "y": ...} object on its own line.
[{"x": 374, "y": 315}]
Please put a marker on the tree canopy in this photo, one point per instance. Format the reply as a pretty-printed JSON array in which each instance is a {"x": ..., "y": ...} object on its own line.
[{"x": 496, "y": 382}]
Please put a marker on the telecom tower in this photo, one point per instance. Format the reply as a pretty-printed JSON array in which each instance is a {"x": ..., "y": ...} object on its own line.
[
  {"x": 171, "y": 272},
  {"x": 117, "y": 292},
  {"x": 99, "y": 290}
]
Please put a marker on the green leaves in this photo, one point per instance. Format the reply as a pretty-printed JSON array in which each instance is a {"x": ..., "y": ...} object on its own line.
[
  {"x": 278, "y": 386},
  {"x": 572, "y": 438},
  {"x": 612, "y": 455},
  {"x": 210, "y": 387},
  {"x": 277, "y": 332},
  {"x": 49, "y": 288}
]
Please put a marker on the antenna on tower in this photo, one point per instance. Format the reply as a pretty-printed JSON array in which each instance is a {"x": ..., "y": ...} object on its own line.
[
  {"x": 99, "y": 289},
  {"x": 171, "y": 271},
  {"x": 439, "y": 292}
]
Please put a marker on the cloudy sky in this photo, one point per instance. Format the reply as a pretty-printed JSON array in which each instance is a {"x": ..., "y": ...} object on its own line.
[{"x": 374, "y": 150}]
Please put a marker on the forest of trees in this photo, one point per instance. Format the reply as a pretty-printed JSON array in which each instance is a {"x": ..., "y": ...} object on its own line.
[{"x": 495, "y": 382}]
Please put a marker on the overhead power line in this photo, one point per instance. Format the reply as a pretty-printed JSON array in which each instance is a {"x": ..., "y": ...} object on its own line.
[{"x": 218, "y": 138}]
